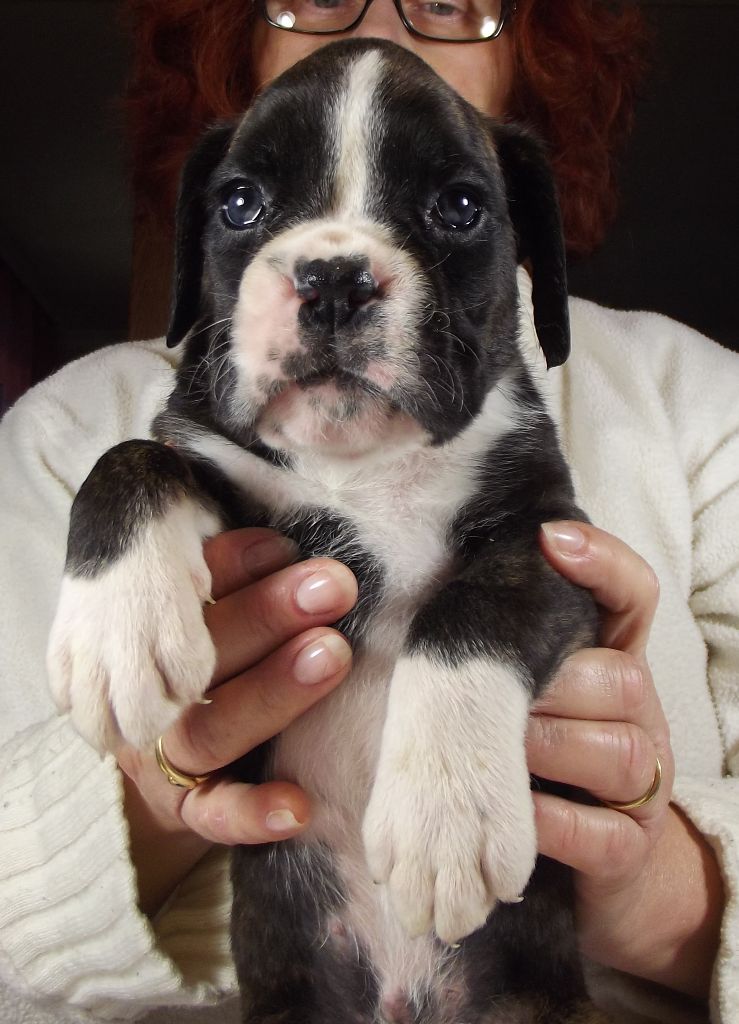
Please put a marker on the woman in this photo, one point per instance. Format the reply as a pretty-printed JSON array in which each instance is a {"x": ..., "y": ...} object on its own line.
[{"x": 84, "y": 843}]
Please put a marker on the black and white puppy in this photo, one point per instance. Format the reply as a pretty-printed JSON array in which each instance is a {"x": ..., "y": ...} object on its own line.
[{"x": 346, "y": 286}]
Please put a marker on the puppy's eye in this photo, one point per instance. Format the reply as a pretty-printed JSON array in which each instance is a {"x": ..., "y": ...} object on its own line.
[
  {"x": 457, "y": 208},
  {"x": 243, "y": 206}
]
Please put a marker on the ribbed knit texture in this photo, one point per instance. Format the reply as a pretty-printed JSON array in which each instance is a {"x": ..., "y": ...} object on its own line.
[
  {"x": 70, "y": 931},
  {"x": 68, "y": 922}
]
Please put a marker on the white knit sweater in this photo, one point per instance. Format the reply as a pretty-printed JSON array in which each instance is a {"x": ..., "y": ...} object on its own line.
[{"x": 649, "y": 416}]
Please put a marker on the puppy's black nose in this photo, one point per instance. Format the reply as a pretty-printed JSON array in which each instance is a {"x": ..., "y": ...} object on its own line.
[{"x": 333, "y": 290}]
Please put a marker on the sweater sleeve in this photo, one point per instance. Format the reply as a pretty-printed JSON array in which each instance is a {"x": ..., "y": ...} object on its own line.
[
  {"x": 71, "y": 933},
  {"x": 703, "y": 386},
  {"x": 650, "y": 415}
]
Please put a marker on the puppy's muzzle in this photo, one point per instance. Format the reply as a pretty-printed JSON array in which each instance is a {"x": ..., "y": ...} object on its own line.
[{"x": 333, "y": 291}]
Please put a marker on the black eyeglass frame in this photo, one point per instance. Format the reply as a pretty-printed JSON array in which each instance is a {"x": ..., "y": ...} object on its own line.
[{"x": 507, "y": 9}]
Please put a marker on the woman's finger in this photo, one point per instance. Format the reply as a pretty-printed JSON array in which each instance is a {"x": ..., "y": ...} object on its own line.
[
  {"x": 229, "y": 812},
  {"x": 245, "y": 711},
  {"x": 593, "y": 840},
  {"x": 240, "y": 557},
  {"x": 253, "y": 622},
  {"x": 622, "y": 583},
  {"x": 600, "y": 684},
  {"x": 253, "y": 707},
  {"x": 614, "y": 761}
]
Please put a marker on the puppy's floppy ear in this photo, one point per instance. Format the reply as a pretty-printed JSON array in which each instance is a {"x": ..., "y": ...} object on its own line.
[
  {"x": 191, "y": 215},
  {"x": 534, "y": 212}
]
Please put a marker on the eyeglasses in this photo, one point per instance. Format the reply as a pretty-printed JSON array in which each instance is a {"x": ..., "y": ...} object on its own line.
[{"x": 451, "y": 21}]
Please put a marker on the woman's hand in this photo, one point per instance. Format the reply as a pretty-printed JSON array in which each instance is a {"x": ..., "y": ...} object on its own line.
[
  {"x": 648, "y": 892},
  {"x": 276, "y": 658}
]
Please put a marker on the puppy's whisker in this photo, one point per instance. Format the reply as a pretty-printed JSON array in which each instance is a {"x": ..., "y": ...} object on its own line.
[
  {"x": 212, "y": 368},
  {"x": 443, "y": 368},
  {"x": 473, "y": 305},
  {"x": 435, "y": 265},
  {"x": 401, "y": 246},
  {"x": 221, "y": 373},
  {"x": 415, "y": 377},
  {"x": 210, "y": 326},
  {"x": 440, "y": 312},
  {"x": 429, "y": 316},
  {"x": 463, "y": 345},
  {"x": 432, "y": 395}
]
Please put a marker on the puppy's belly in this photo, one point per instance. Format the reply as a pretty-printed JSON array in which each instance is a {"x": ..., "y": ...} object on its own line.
[{"x": 332, "y": 752}]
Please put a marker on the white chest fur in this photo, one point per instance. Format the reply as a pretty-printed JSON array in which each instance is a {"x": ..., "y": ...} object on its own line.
[
  {"x": 399, "y": 506},
  {"x": 400, "y": 512}
]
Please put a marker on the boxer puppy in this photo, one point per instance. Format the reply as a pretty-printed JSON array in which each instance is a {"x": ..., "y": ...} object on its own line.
[{"x": 352, "y": 375}]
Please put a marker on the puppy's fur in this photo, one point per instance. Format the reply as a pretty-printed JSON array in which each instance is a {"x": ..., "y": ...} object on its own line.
[{"x": 346, "y": 286}]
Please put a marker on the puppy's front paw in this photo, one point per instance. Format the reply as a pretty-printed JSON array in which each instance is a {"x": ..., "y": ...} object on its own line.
[
  {"x": 450, "y": 824},
  {"x": 129, "y": 648}
]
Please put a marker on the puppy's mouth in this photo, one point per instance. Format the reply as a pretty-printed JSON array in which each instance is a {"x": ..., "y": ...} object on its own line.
[
  {"x": 335, "y": 411},
  {"x": 337, "y": 396},
  {"x": 327, "y": 381},
  {"x": 342, "y": 379}
]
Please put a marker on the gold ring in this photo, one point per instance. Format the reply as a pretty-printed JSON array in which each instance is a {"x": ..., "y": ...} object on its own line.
[
  {"x": 174, "y": 776},
  {"x": 649, "y": 795}
]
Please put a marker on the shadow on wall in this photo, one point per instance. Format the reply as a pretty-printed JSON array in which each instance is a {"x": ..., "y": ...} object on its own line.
[
  {"x": 65, "y": 212},
  {"x": 673, "y": 247}
]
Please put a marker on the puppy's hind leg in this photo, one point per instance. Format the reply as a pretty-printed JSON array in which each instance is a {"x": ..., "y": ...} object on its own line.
[
  {"x": 586, "y": 1013},
  {"x": 295, "y": 961},
  {"x": 580, "y": 1012},
  {"x": 536, "y": 1010}
]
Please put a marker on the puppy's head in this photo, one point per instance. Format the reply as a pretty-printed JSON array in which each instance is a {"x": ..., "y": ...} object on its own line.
[{"x": 346, "y": 256}]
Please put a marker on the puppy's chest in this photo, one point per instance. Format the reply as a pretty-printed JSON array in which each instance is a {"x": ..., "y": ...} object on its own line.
[
  {"x": 395, "y": 528},
  {"x": 392, "y": 524}
]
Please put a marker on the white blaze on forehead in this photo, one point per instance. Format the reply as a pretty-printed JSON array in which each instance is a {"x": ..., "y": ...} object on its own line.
[{"x": 357, "y": 130}]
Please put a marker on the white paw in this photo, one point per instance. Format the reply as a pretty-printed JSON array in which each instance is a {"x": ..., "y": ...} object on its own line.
[
  {"x": 450, "y": 823},
  {"x": 129, "y": 649}
]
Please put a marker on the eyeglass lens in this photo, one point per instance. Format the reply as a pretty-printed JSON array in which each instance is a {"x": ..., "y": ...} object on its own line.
[{"x": 440, "y": 19}]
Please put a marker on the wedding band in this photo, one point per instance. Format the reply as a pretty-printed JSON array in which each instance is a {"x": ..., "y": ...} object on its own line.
[
  {"x": 174, "y": 776},
  {"x": 649, "y": 795}
]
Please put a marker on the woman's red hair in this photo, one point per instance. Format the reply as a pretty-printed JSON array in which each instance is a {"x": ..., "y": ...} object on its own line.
[{"x": 578, "y": 64}]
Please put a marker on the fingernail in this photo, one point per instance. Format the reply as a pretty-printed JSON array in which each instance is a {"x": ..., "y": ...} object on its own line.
[
  {"x": 566, "y": 538},
  {"x": 321, "y": 659},
  {"x": 282, "y": 821},
  {"x": 271, "y": 554},
  {"x": 321, "y": 592}
]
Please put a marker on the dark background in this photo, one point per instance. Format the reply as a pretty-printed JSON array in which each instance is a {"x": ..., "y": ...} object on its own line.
[{"x": 65, "y": 211}]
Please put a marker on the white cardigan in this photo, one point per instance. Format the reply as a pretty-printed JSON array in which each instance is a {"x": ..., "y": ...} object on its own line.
[{"x": 649, "y": 416}]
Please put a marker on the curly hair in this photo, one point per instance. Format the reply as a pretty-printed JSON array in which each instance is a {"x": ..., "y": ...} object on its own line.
[
  {"x": 578, "y": 64},
  {"x": 578, "y": 67}
]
